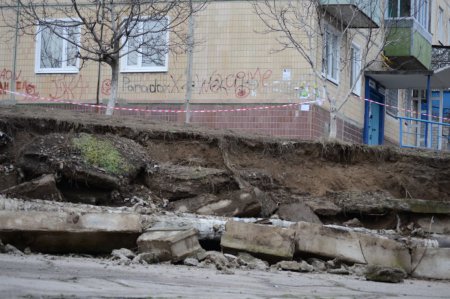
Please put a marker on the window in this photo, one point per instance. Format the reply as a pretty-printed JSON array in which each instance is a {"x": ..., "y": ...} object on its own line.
[
  {"x": 147, "y": 47},
  {"x": 418, "y": 9},
  {"x": 330, "y": 56},
  {"x": 421, "y": 10},
  {"x": 56, "y": 47},
  {"x": 441, "y": 24},
  {"x": 355, "y": 69},
  {"x": 448, "y": 32},
  {"x": 399, "y": 8},
  {"x": 392, "y": 102}
]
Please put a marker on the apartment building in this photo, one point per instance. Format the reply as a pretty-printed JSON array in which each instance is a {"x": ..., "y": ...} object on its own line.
[
  {"x": 417, "y": 76},
  {"x": 333, "y": 55}
]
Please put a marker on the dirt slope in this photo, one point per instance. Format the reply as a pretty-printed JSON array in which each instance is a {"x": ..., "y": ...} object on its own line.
[{"x": 286, "y": 170}]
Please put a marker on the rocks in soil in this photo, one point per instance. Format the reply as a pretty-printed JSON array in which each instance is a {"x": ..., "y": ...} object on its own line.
[
  {"x": 319, "y": 265},
  {"x": 57, "y": 153},
  {"x": 240, "y": 203},
  {"x": 297, "y": 212},
  {"x": 251, "y": 262},
  {"x": 123, "y": 254},
  {"x": 322, "y": 206},
  {"x": 191, "y": 262},
  {"x": 43, "y": 187},
  {"x": 176, "y": 182},
  {"x": 10, "y": 249},
  {"x": 353, "y": 223},
  {"x": 385, "y": 274}
]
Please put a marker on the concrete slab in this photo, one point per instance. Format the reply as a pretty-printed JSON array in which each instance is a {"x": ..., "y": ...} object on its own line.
[
  {"x": 270, "y": 242},
  {"x": 431, "y": 263},
  {"x": 351, "y": 246},
  {"x": 169, "y": 244},
  {"x": 63, "y": 232}
]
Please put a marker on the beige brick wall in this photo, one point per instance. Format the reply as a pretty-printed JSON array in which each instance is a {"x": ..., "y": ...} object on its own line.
[{"x": 234, "y": 63}]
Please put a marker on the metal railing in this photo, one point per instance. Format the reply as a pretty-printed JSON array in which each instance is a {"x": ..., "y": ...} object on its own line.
[{"x": 420, "y": 133}]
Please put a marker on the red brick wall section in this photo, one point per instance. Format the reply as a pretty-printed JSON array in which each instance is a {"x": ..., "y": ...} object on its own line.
[{"x": 287, "y": 122}]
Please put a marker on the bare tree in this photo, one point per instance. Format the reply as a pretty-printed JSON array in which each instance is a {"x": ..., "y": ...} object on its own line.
[
  {"x": 106, "y": 31},
  {"x": 307, "y": 27}
]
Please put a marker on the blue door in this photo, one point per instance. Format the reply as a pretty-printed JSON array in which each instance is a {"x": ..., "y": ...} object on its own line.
[
  {"x": 374, "y": 113},
  {"x": 374, "y": 124}
]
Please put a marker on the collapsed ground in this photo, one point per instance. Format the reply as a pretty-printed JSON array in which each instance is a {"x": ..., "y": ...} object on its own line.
[{"x": 66, "y": 156}]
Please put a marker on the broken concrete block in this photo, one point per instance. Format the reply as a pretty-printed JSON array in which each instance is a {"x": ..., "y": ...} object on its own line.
[
  {"x": 63, "y": 232},
  {"x": 272, "y": 243},
  {"x": 169, "y": 244},
  {"x": 43, "y": 187},
  {"x": 176, "y": 182},
  {"x": 435, "y": 224},
  {"x": 385, "y": 274},
  {"x": 297, "y": 212},
  {"x": 232, "y": 204},
  {"x": 384, "y": 252},
  {"x": 323, "y": 207},
  {"x": 350, "y": 246},
  {"x": 431, "y": 262}
]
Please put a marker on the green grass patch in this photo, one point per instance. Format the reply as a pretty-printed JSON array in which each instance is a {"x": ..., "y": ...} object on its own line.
[{"x": 100, "y": 153}]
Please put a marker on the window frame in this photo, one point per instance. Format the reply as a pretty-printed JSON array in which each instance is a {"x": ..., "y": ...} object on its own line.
[
  {"x": 327, "y": 71},
  {"x": 440, "y": 25},
  {"x": 125, "y": 68},
  {"x": 64, "y": 69},
  {"x": 419, "y": 11},
  {"x": 355, "y": 63}
]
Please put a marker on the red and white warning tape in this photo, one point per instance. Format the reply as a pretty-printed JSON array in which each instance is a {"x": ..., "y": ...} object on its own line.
[{"x": 63, "y": 101}]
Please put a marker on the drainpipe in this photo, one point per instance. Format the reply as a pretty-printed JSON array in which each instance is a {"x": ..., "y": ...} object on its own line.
[
  {"x": 428, "y": 98},
  {"x": 190, "y": 58},
  {"x": 14, "y": 70}
]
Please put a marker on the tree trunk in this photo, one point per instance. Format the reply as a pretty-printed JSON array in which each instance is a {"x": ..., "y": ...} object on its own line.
[
  {"x": 333, "y": 123},
  {"x": 114, "y": 87}
]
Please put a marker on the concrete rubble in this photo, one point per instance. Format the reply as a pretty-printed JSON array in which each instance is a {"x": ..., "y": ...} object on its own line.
[
  {"x": 169, "y": 244},
  {"x": 43, "y": 187},
  {"x": 61, "y": 228}
]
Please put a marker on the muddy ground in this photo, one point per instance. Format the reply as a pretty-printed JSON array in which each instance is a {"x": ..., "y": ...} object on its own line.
[{"x": 174, "y": 166}]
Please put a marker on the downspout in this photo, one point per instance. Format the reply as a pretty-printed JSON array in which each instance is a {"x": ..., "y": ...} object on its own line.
[
  {"x": 190, "y": 58},
  {"x": 14, "y": 70},
  {"x": 428, "y": 98}
]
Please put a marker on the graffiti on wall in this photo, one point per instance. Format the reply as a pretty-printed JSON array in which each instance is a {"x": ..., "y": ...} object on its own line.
[
  {"x": 69, "y": 87},
  {"x": 22, "y": 85},
  {"x": 240, "y": 84}
]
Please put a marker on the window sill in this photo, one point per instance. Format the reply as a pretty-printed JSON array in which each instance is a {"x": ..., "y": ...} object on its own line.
[
  {"x": 57, "y": 71},
  {"x": 145, "y": 70}
]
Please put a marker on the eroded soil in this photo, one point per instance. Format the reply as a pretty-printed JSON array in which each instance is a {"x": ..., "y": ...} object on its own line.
[{"x": 286, "y": 171}]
